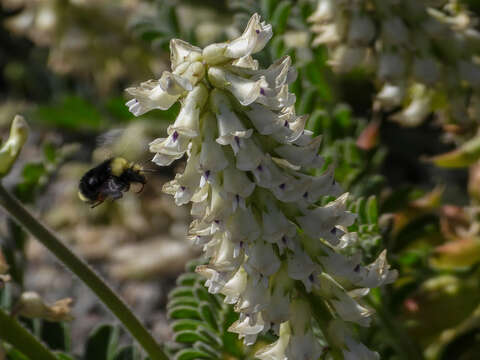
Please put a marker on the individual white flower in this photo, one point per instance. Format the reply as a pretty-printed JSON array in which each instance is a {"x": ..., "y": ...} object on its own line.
[
  {"x": 345, "y": 58},
  {"x": 187, "y": 122},
  {"x": 391, "y": 67},
  {"x": 391, "y": 94},
  {"x": 253, "y": 300},
  {"x": 276, "y": 350},
  {"x": 276, "y": 227},
  {"x": 230, "y": 127},
  {"x": 247, "y": 330},
  {"x": 245, "y": 90},
  {"x": 426, "y": 70},
  {"x": 182, "y": 52},
  {"x": 417, "y": 110},
  {"x": 326, "y": 11},
  {"x": 149, "y": 96},
  {"x": 253, "y": 40},
  {"x": 262, "y": 262},
  {"x": 169, "y": 149},
  {"x": 394, "y": 31},
  {"x": 346, "y": 307},
  {"x": 212, "y": 158},
  {"x": 328, "y": 33},
  {"x": 301, "y": 267},
  {"x": 235, "y": 286},
  {"x": 184, "y": 185},
  {"x": 322, "y": 221},
  {"x": 249, "y": 155},
  {"x": 302, "y": 155}
]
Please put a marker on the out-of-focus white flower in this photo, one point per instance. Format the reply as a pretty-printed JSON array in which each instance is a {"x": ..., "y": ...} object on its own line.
[
  {"x": 391, "y": 67},
  {"x": 394, "y": 31},
  {"x": 346, "y": 58},
  {"x": 361, "y": 31},
  {"x": 253, "y": 199},
  {"x": 417, "y": 110},
  {"x": 391, "y": 94},
  {"x": 432, "y": 43}
]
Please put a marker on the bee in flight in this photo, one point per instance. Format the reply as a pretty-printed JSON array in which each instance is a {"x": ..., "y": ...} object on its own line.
[{"x": 110, "y": 179}]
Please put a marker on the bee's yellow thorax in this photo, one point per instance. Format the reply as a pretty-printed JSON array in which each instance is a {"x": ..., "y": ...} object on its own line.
[
  {"x": 118, "y": 166},
  {"x": 136, "y": 167}
]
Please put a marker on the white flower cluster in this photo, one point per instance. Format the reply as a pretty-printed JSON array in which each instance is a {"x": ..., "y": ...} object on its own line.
[
  {"x": 424, "y": 58},
  {"x": 253, "y": 200}
]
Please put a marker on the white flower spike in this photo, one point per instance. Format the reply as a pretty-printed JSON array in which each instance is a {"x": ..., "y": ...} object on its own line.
[{"x": 253, "y": 199}]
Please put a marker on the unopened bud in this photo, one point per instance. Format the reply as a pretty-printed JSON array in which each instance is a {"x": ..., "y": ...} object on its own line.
[
  {"x": 12, "y": 147},
  {"x": 31, "y": 305}
]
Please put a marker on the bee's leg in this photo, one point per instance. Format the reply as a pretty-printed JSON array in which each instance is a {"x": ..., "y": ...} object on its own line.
[{"x": 97, "y": 203}]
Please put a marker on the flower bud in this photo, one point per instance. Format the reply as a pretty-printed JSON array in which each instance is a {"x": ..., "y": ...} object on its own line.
[
  {"x": 11, "y": 148},
  {"x": 32, "y": 306}
]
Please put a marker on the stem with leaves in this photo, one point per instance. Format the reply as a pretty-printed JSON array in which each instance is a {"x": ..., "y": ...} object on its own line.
[{"x": 121, "y": 311}]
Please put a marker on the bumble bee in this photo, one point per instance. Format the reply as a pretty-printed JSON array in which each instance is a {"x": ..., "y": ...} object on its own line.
[{"x": 110, "y": 179}]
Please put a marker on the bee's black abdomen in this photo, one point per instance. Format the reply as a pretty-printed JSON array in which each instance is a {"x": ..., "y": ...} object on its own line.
[
  {"x": 94, "y": 179},
  {"x": 110, "y": 179}
]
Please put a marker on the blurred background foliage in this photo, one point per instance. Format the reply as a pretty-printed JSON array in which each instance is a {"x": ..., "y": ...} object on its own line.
[{"x": 64, "y": 65}]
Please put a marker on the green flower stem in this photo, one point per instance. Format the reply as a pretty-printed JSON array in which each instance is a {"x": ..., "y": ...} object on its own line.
[
  {"x": 84, "y": 272},
  {"x": 21, "y": 339}
]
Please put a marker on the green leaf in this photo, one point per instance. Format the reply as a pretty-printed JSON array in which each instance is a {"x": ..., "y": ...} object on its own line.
[
  {"x": 280, "y": 16},
  {"x": 268, "y": 7},
  {"x": 189, "y": 337},
  {"x": 181, "y": 291},
  {"x": 127, "y": 353},
  {"x": 184, "y": 312},
  {"x": 50, "y": 152},
  {"x": 182, "y": 301},
  {"x": 185, "y": 324},
  {"x": 191, "y": 354},
  {"x": 209, "y": 336},
  {"x": 101, "y": 344},
  {"x": 464, "y": 156},
  {"x": 63, "y": 356},
  {"x": 208, "y": 349},
  {"x": 372, "y": 210},
  {"x": 55, "y": 335},
  {"x": 187, "y": 279},
  {"x": 307, "y": 101},
  {"x": 14, "y": 354},
  {"x": 117, "y": 109},
  {"x": 208, "y": 316}
]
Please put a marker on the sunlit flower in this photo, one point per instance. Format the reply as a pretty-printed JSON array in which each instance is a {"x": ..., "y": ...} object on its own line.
[{"x": 254, "y": 200}]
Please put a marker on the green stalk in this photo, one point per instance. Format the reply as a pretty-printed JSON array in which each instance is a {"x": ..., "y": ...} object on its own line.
[
  {"x": 84, "y": 272},
  {"x": 21, "y": 339}
]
